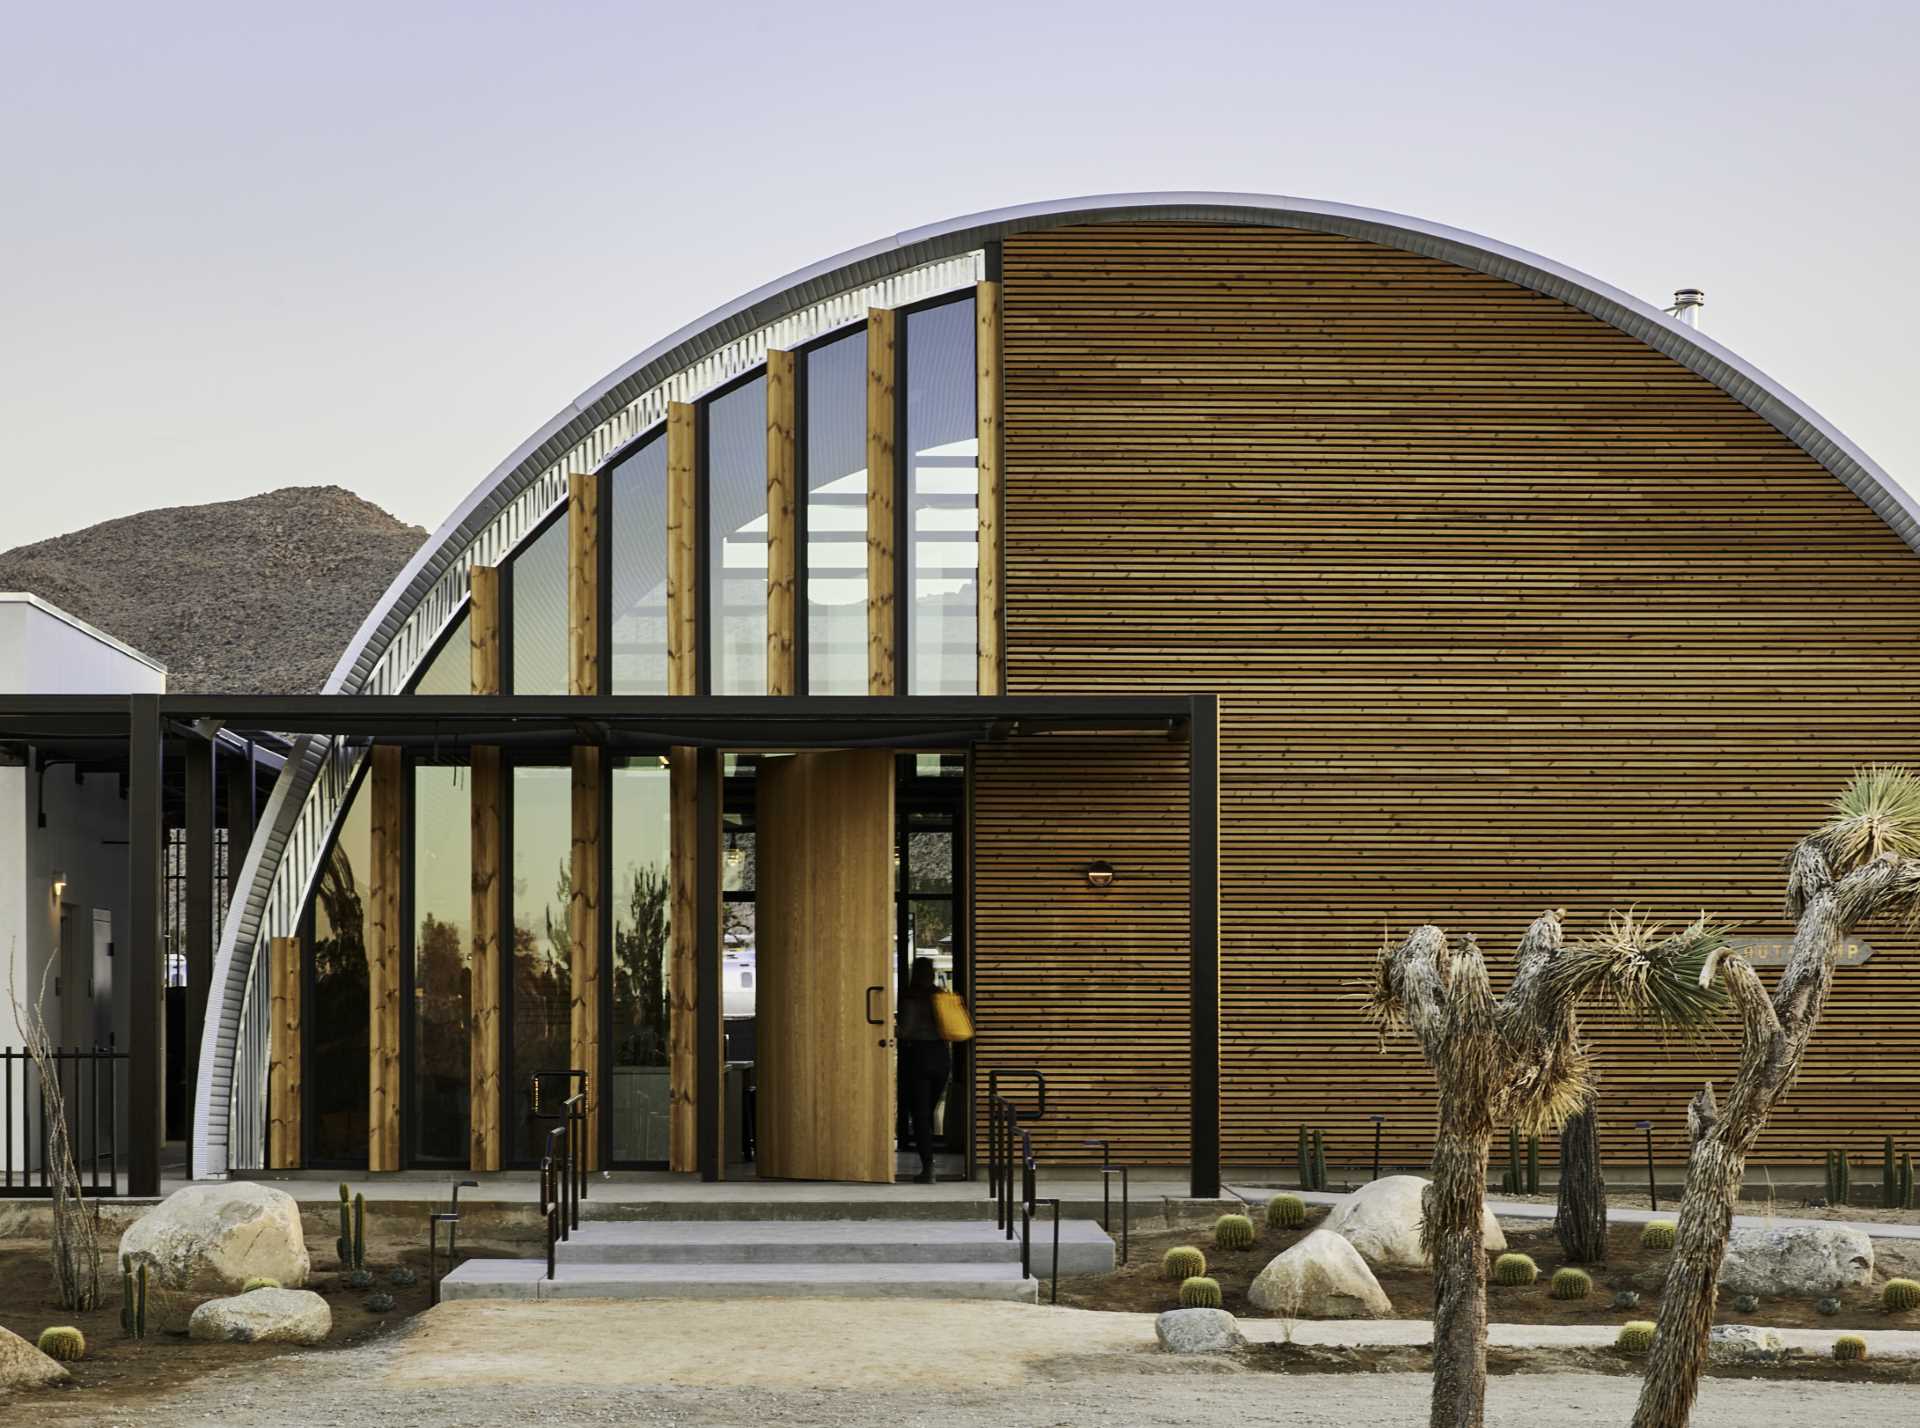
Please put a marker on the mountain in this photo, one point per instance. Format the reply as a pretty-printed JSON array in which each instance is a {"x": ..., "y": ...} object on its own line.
[{"x": 257, "y": 596}]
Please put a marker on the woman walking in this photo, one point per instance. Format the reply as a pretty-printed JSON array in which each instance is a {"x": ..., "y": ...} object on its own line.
[{"x": 925, "y": 1062}]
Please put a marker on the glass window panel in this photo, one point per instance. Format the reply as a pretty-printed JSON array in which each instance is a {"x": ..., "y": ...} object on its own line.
[
  {"x": 930, "y": 860},
  {"x": 450, "y": 671},
  {"x": 337, "y": 1023},
  {"x": 642, "y": 849},
  {"x": 539, "y": 595},
  {"x": 541, "y": 1009},
  {"x": 442, "y": 960},
  {"x": 639, "y": 595},
  {"x": 943, "y": 490},
  {"x": 737, "y": 539},
  {"x": 930, "y": 924},
  {"x": 837, "y": 516}
]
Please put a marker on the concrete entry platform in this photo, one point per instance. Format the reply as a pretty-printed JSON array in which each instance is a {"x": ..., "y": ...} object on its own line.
[{"x": 526, "y": 1279}]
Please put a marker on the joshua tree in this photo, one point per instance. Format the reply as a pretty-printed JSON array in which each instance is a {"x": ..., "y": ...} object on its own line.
[
  {"x": 1862, "y": 863},
  {"x": 1516, "y": 1059}
]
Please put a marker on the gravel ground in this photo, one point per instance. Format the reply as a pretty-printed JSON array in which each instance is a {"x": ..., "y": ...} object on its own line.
[{"x": 857, "y": 1363}]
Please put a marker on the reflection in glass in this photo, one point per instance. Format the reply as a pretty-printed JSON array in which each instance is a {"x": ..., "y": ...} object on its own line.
[
  {"x": 538, "y": 585},
  {"x": 640, "y": 835},
  {"x": 337, "y": 1024},
  {"x": 943, "y": 491},
  {"x": 639, "y": 595},
  {"x": 541, "y": 1010},
  {"x": 442, "y": 960},
  {"x": 737, "y": 538},
  {"x": 836, "y": 427},
  {"x": 450, "y": 671}
]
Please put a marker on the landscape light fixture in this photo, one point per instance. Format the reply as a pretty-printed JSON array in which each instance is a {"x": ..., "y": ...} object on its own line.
[
  {"x": 1653, "y": 1189},
  {"x": 59, "y": 884},
  {"x": 1099, "y": 874}
]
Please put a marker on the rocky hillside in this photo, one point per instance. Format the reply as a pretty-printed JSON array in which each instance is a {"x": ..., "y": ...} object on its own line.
[{"x": 239, "y": 597}]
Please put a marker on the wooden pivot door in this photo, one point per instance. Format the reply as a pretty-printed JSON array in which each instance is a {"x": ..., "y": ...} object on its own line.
[{"x": 823, "y": 933}]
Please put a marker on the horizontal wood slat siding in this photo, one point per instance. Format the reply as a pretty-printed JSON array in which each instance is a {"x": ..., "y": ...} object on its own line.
[
  {"x": 1506, "y": 611},
  {"x": 1089, "y": 986}
]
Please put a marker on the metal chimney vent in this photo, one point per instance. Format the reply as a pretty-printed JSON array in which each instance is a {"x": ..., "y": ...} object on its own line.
[{"x": 1687, "y": 303}]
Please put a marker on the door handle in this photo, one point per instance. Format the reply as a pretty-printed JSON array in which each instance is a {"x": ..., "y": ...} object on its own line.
[{"x": 873, "y": 1020}]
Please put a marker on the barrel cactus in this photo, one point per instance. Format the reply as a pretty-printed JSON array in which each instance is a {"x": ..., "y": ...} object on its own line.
[
  {"x": 1571, "y": 1284},
  {"x": 404, "y": 1277},
  {"x": 63, "y": 1342},
  {"x": 1183, "y": 1262},
  {"x": 1286, "y": 1212},
  {"x": 1746, "y": 1304},
  {"x": 1199, "y": 1292},
  {"x": 379, "y": 1303},
  {"x": 1627, "y": 1299},
  {"x": 1233, "y": 1232},
  {"x": 1657, "y": 1235},
  {"x": 1829, "y": 1305},
  {"x": 1515, "y": 1269},
  {"x": 260, "y": 1281},
  {"x": 360, "y": 1279},
  {"x": 1636, "y": 1336},
  {"x": 1900, "y": 1296},
  {"x": 1849, "y": 1348}
]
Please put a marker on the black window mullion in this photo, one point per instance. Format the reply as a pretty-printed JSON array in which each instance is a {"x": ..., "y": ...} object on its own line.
[{"x": 801, "y": 672}]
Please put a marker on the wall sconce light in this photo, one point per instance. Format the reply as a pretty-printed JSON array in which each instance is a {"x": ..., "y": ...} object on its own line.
[
  {"x": 59, "y": 884},
  {"x": 1100, "y": 874}
]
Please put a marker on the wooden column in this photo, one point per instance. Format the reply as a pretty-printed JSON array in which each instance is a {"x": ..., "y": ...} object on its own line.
[
  {"x": 683, "y": 677},
  {"x": 783, "y": 529},
  {"x": 882, "y": 496},
  {"x": 388, "y": 853},
  {"x": 485, "y": 975},
  {"x": 987, "y": 587},
  {"x": 283, "y": 1076},
  {"x": 586, "y": 954}
]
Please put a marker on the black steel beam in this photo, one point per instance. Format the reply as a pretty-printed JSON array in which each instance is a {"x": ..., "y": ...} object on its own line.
[
  {"x": 199, "y": 910},
  {"x": 239, "y": 774},
  {"x": 709, "y": 1085},
  {"x": 1203, "y": 871},
  {"x": 146, "y": 947}
]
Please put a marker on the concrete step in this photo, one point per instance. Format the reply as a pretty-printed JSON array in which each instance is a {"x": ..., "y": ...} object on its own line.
[
  {"x": 526, "y": 1279},
  {"x": 1084, "y": 1247}
]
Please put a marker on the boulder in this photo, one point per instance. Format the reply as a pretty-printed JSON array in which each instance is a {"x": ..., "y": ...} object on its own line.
[
  {"x": 1321, "y": 1277},
  {"x": 24, "y": 1366},
  {"x": 1743, "y": 1343},
  {"x": 264, "y": 1316},
  {"x": 211, "y": 1239},
  {"x": 1198, "y": 1331},
  {"x": 1796, "y": 1260},
  {"x": 1382, "y": 1220}
]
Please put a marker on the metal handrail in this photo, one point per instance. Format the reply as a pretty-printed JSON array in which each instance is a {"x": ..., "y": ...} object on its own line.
[
  {"x": 1000, "y": 1151},
  {"x": 78, "y": 1071},
  {"x": 574, "y": 1112},
  {"x": 1029, "y": 1202},
  {"x": 451, "y": 1219},
  {"x": 1107, "y": 1171},
  {"x": 561, "y": 1188}
]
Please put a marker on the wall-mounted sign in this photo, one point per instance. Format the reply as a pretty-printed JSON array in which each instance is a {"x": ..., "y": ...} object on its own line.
[{"x": 1772, "y": 951}]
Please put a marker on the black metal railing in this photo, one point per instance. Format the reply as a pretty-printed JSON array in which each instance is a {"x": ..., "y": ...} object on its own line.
[
  {"x": 451, "y": 1219},
  {"x": 1029, "y": 1203},
  {"x": 89, "y": 1083},
  {"x": 1004, "y": 1117},
  {"x": 563, "y": 1180},
  {"x": 1107, "y": 1171}
]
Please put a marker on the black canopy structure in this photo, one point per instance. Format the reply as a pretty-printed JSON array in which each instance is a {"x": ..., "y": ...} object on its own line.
[{"x": 143, "y": 728}]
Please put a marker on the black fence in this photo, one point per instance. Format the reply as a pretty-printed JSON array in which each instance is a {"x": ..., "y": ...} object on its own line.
[{"x": 91, "y": 1082}]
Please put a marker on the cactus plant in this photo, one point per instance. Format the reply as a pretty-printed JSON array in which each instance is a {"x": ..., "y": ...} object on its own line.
[
  {"x": 360, "y": 1279},
  {"x": 379, "y": 1303},
  {"x": 1305, "y": 1154},
  {"x": 1286, "y": 1212},
  {"x": 1183, "y": 1262},
  {"x": 1319, "y": 1160},
  {"x": 260, "y": 1281},
  {"x": 404, "y": 1277},
  {"x": 1510, "y": 1180},
  {"x": 343, "y": 1246},
  {"x": 133, "y": 1303},
  {"x": 1906, "y": 1181},
  {"x": 1849, "y": 1348},
  {"x": 1829, "y": 1305},
  {"x": 1627, "y": 1299},
  {"x": 1839, "y": 1177},
  {"x": 1571, "y": 1284},
  {"x": 63, "y": 1342},
  {"x": 1233, "y": 1232},
  {"x": 359, "y": 1231},
  {"x": 1515, "y": 1269},
  {"x": 1900, "y": 1296},
  {"x": 1199, "y": 1292},
  {"x": 1533, "y": 1165},
  {"x": 1636, "y": 1336},
  {"x": 1889, "y": 1174},
  {"x": 1657, "y": 1235},
  {"x": 1746, "y": 1304}
]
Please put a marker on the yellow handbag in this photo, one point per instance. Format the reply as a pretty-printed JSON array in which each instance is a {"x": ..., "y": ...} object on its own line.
[{"x": 950, "y": 1016}]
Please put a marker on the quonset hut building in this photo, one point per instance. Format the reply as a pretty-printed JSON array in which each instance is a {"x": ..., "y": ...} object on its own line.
[{"x": 1136, "y": 605}]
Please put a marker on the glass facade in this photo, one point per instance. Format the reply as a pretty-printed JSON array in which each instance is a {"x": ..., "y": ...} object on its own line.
[
  {"x": 442, "y": 961},
  {"x": 637, "y": 607},
  {"x": 640, "y": 835},
  {"x": 450, "y": 671},
  {"x": 540, "y": 1009},
  {"x": 943, "y": 501},
  {"x": 836, "y": 516},
  {"x": 737, "y": 539},
  {"x": 537, "y": 592},
  {"x": 336, "y": 1021}
]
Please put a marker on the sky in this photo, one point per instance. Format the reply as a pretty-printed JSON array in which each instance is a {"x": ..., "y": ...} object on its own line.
[{"x": 376, "y": 246}]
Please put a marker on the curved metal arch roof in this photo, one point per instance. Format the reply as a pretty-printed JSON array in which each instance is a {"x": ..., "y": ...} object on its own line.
[{"x": 1746, "y": 384}]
